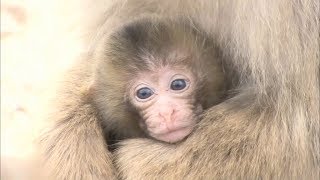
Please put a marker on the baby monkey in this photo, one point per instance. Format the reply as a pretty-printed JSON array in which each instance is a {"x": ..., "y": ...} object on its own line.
[{"x": 154, "y": 78}]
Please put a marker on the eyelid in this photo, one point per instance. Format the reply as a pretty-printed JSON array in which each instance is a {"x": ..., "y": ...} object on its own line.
[
  {"x": 143, "y": 85},
  {"x": 179, "y": 76}
]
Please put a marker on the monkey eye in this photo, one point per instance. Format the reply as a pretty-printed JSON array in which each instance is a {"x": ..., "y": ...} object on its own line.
[
  {"x": 144, "y": 93},
  {"x": 178, "y": 84}
]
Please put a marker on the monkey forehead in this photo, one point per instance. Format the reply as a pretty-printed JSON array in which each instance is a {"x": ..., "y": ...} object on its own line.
[
  {"x": 163, "y": 75},
  {"x": 145, "y": 43}
]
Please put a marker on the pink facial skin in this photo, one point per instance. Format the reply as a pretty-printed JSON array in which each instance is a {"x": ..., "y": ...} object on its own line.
[{"x": 166, "y": 102}]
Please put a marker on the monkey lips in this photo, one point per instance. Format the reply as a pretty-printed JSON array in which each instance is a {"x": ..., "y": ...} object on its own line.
[{"x": 174, "y": 135}]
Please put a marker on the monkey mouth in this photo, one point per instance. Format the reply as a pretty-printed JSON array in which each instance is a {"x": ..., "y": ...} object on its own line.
[{"x": 172, "y": 136}]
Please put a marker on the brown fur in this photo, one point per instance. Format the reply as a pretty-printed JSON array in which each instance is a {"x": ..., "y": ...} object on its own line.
[
  {"x": 269, "y": 129},
  {"x": 147, "y": 45},
  {"x": 101, "y": 97}
]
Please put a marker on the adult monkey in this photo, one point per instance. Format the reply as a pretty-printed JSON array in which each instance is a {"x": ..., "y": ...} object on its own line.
[{"x": 268, "y": 130}]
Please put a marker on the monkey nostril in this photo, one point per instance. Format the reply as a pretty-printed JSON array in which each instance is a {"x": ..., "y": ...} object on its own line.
[
  {"x": 167, "y": 116},
  {"x": 173, "y": 112},
  {"x": 162, "y": 116}
]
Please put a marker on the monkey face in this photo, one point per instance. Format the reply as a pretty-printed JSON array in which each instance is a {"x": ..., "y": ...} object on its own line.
[{"x": 165, "y": 100}]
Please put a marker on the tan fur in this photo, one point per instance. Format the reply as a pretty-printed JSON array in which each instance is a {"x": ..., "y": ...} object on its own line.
[
  {"x": 268, "y": 130},
  {"x": 74, "y": 146}
]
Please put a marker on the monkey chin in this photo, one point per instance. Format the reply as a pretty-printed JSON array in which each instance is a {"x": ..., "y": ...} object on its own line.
[{"x": 173, "y": 136}]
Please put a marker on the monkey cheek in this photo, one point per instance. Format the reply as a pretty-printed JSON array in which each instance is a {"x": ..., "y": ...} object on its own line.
[{"x": 173, "y": 136}]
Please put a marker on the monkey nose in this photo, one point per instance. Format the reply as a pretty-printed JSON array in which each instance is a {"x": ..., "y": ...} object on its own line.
[{"x": 167, "y": 115}]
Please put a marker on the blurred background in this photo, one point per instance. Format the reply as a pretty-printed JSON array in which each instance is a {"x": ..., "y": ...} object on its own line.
[{"x": 40, "y": 40}]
